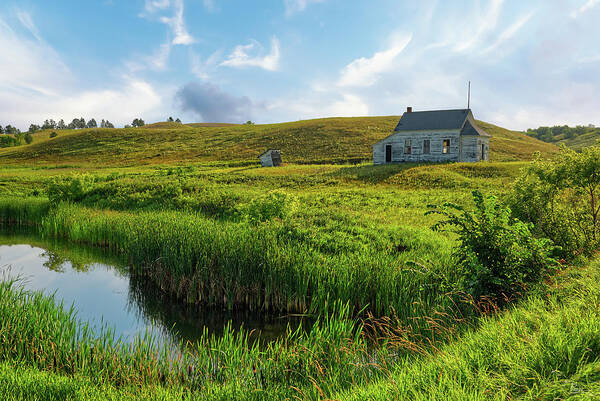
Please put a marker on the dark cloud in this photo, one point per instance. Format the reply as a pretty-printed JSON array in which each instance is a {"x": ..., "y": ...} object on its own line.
[{"x": 211, "y": 104}]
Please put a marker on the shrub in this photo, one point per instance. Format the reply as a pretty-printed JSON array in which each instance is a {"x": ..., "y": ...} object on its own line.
[
  {"x": 498, "y": 255},
  {"x": 53, "y": 134},
  {"x": 72, "y": 189},
  {"x": 275, "y": 204},
  {"x": 28, "y": 138},
  {"x": 561, "y": 198}
]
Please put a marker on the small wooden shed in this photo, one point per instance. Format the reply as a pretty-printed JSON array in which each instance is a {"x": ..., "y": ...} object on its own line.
[{"x": 270, "y": 158}]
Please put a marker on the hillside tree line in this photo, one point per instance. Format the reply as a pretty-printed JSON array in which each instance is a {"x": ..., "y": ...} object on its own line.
[{"x": 560, "y": 132}]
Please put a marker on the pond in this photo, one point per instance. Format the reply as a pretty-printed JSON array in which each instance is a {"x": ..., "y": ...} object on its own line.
[{"x": 100, "y": 288}]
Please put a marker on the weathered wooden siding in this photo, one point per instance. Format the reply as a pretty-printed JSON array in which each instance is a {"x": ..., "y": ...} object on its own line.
[
  {"x": 266, "y": 160},
  {"x": 436, "y": 139},
  {"x": 471, "y": 148}
]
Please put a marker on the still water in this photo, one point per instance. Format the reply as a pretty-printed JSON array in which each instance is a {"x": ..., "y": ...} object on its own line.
[{"x": 103, "y": 293}]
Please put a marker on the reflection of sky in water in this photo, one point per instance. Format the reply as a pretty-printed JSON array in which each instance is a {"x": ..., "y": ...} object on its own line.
[
  {"x": 99, "y": 294},
  {"x": 103, "y": 294}
]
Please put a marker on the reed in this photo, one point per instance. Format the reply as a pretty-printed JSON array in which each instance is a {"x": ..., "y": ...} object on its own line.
[{"x": 237, "y": 265}]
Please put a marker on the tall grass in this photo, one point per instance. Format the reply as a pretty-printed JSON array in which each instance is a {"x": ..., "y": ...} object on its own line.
[
  {"x": 239, "y": 265},
  {"x": 37, "y": 333}
]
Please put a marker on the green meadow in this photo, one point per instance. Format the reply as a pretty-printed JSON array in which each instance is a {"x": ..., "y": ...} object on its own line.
[{"x": 326, "y": 235}]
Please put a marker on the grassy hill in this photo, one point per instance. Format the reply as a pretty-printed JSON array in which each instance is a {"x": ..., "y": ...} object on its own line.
[
  {"x": 579, "y": 142},
  {"x": 576, "y": 138},
  {"x": 311, "y": 141}
]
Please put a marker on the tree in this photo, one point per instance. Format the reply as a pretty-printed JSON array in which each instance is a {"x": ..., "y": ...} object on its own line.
[
  {"x": 561, "y": 198},
  {"x": 92, "y": 123},
  {"x": 61, "y": 124},
  {"x": 1, "y": 130},
  {"x": 249, "y": 122},
  {"x": 178, "y": 121},
  {"x": 138, "y": 122},
  {"x": 108, "y": 124},
  {"x": 28, "y": 138},
  {"x": 81, "y": 123},
  {"x": 33, "y": 128},
  {"x": 170, "y": 119},
  {"x": 10, "y": 130}
]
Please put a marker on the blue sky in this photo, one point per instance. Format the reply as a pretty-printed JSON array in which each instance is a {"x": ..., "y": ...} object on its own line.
[{"x": 531, "y": 62}]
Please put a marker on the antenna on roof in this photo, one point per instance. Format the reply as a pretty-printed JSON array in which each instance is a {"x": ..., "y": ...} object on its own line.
[{"x": 469, "y": 97}]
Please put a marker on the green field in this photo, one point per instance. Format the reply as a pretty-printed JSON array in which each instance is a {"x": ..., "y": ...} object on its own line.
[
  {"x": 330, "y": 140},
  {"x": 327, "y": 234}
]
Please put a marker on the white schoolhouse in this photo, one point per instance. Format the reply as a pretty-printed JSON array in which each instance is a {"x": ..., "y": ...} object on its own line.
[{"x": 434, "y": 136}]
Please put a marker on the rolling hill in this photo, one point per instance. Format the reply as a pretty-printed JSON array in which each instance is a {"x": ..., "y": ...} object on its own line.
[{"x": 328, "y": 140}]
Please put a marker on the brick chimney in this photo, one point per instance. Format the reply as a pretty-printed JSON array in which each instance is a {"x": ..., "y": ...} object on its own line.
[{"x": 409, "y": 109}]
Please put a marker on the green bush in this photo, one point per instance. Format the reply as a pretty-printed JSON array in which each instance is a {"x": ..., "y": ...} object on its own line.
[
  {"x": 561, "y": 198},
  {"x": 72, "y": 189},
  {"x": 499, "y": 256},
  {"x": 275, "y": 204},
  {"x": 53, "y": 135}
]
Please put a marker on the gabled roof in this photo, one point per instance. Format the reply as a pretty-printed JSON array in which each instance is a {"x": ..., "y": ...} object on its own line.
[
  {"x": 267, "y": 151},
  {"x": 459, "y": 119},
  {"x": 432, "y": 120}
]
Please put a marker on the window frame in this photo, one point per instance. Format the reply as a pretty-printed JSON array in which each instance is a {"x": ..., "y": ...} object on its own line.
[
  {"x": 426, "y": 149},
  {"x": 446, "y": 148},
  {"x": 407, "y": 146}
]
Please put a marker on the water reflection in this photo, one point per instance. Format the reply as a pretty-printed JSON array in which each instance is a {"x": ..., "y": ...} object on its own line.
[{"x": 100, "y": 288}]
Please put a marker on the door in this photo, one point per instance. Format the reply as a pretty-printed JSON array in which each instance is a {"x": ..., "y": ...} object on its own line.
[
  {"x": 388, "y": 153},
  {"x": 482, "y": 151}
]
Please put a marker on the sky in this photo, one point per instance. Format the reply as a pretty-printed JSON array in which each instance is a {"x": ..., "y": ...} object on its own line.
[{"x": 530, "y": 63}]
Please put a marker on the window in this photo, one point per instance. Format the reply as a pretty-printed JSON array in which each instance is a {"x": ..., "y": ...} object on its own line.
[
  {"x": 446, "y": 146},
  {"x": 482, "y": 151},
  {"x": 426, "y": 146},
  {"x": 407, "y": 147}
]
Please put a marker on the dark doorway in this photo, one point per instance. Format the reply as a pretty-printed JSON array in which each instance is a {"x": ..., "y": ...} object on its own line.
[{"x": 388, "y": 153}]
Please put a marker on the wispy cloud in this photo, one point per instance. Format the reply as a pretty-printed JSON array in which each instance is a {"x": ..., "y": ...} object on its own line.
[
  {"x": 35, "y": 84},
  {"x": 27, "y": 22},
  {"x": 157, "y": 61},
  {"x": 364, "y": 71},
  {"x": 587, "y": 6},
  {"x": 295, "y": 6},
  {"x": 177, "y": 24},
  {"x": 204, "y": 69},
  {"x": 151, "y": 6},
  {"x": 480, "y": 25},
  {"x": 509, "y": 32},
  {"x": 179, "y": 32},
  {"x": 242, "y": 56},
  {"x": 210, "y": 5}
]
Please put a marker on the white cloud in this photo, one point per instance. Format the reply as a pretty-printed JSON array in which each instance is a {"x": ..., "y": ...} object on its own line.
[
  {"x": 151, "y": 6},
  {"x": 27, "y": 22},
  {"x": 203, "y": 69},
  {"x": 157, "y": 61},
  {"x": 295, "y": 6},
  {"x": 241, "y": 56},
  {"x": 180, "y": 35},
  {"x": 210, "y": 5},
  {"x": 35, "y": 84},
  {"x": 28, "y": 66},
  {"x": 364, "y": 71},
  {"x": 177, "y": 24},
  {"x": 480, "y": 25},
  {"x": 587, "y": 6},
  {"x": 509, "y": 32},
  {"x": 349, "y": 106}
]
